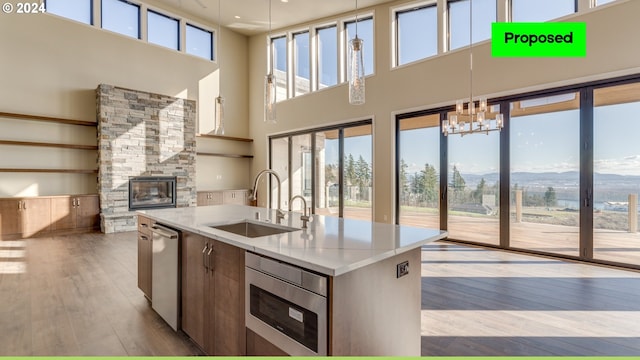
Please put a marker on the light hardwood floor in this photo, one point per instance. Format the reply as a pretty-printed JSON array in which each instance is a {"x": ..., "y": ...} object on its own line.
[{"x": 77, "y": 295}]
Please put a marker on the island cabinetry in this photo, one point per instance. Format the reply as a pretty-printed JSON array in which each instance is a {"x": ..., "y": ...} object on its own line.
[
  {"x": 23, "y": 218},
  {"x": 375, "y": 311},
  {"x": 213, "y": 295},
  {"x": 144, "y": 255}
]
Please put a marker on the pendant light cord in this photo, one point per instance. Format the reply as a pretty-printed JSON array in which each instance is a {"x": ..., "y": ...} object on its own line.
[
  {"x": 219, "y": 45},
  {"x": 356, "y": 19},
  {"x": 270, "y": 43}
]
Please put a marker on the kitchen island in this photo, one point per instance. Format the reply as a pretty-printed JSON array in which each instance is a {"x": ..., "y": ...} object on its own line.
[{"x": 372, "y": 273}]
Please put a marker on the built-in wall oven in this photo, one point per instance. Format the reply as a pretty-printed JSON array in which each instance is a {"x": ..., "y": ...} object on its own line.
[{"x": 286, "y": 305}]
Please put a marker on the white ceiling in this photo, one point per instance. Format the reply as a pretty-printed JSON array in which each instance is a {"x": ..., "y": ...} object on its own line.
[{"x": 254, "y": 14}]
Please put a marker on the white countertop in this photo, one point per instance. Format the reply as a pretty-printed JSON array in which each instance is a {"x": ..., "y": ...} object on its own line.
[{"x": 330, "y": 245}]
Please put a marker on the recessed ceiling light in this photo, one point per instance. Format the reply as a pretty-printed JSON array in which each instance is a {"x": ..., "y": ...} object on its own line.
[
  {"x": 284, "y": 1},
  {"x": 237, "y": 17}
]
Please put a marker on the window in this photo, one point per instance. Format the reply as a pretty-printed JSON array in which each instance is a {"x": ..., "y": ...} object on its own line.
[
  {"x": 301, "y": 170},
  {"x": 357, "y": 173},
  {"x": 419, "y": 171},
  {"x": 473, "y": 189},
  {"x": 327, "y": 56},
  {"x": 330, "y": 167},
  {"x": 78, "y": 10},
  {"x": 484, "y": 13},
  {"x": 279, "y": 49},
  {"x": 417, "y": 34},
  {"x": 199, "y": 42},
  {"x": 122, "y": 17},
  {"x": 602, "y": 2},
  {"x": 540, "y": 10},
  {"x": 545, "y": 174},
  {"x": 163, "y": 30},
  {"x": 365, "y": 32},
  {"x": 301, "y": 63},
  {"x": 616, "y": 173}
]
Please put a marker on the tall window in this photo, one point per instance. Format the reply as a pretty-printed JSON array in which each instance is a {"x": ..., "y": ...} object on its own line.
[
  {"x": 279, "y": 49},
  {"x": 417, "y": 34},
  {"x": 365, "y": 32},
  {"x": 473, "y": 187},
  {"x": 602, "y": 2},
  {"x": 419, "y": 171},
  {"x": 78, "y": 10},
  {"x": 484, "y": 13},
  {"x": 199, "y": 42},
  {"x": 163, "y": 30},
  {"x": 616, "y": 173},
  {"x": 301, "y": 63},
  {"x": 540, "y": 10},
  {"x": 122, "y": 17},
  {"x": 327, "y": 56},
  {"x": 545, "y": 174}
]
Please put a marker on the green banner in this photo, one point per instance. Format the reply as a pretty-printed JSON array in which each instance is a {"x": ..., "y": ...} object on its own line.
[{"x": 561, "y": 39}]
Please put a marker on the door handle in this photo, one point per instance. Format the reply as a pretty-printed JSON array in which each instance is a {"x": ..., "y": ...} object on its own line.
[
  {"x": 144, "y": 237},
  {"x": 77, "y": 202},
  {"x": 209, "y": 257},
  {"x": 204, "y": 257},
  {"x": 24, "y": 205},
  {"x": 19, "y": 205}
]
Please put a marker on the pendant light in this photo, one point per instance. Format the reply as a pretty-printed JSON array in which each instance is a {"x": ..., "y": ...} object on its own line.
[
  {"x": 270, "y": 84},
  {"x": 355, "y": 70},
  {"x": 472, "y": 120},
  {"x": 219, "y": 100}
]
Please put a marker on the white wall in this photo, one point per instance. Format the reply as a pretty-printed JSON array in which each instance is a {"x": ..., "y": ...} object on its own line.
[
  {"x": 612, "y": 47},
  {"x": 51, "y": 66}
]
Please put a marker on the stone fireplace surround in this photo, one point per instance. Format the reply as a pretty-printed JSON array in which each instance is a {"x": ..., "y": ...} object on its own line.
[{"x": 142, "y": 134}]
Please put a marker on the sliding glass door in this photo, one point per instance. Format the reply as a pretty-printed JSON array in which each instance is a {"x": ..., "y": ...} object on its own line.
[
  {"x": 545, "y": 174},
  {"x": 332, "y": 168},
  {"x": 419, "y": 171},
  {"x": 616, "y": 173}
]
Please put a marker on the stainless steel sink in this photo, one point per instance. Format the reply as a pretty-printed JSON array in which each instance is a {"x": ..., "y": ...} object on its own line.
[{"x": 252, "y": 229}]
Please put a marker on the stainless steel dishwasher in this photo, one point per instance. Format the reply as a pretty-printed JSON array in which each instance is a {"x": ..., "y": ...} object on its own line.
[{"x": 164, "y": 274}]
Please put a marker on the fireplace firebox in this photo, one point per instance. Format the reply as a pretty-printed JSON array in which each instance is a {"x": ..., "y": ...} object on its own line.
[{"x": 152, "y": 192}]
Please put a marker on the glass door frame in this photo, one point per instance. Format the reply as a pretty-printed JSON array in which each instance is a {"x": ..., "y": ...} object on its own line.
[{"x": 586, "y": 183}]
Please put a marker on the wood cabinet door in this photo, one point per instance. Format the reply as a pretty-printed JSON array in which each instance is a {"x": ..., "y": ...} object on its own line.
[
  {"x": 10, "y": 217},
  {"x": 63, "y": 214},
  {"x": 216, "y": 198},
  {"x": 203, "y": 198},
  {"x": 227, "y": 315},
  {"x": 194, "y": 249},
  {"x": 87, "y": 211},
  {"x": 144, "y": 263},
  {"x": 36, "y": 216},
  {"x": 237, "y": 197}
]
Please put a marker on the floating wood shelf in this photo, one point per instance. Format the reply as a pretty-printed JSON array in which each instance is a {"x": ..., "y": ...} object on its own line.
[
  {"x": 47, "y": 119},
  {"x": 62, "y": 171},
  {"x": 223, "y": 137},
  {"x": 225, "y": 155},
  {"x": 57, "y": 145}
]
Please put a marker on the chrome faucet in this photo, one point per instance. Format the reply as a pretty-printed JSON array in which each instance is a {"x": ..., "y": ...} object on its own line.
[
  {"x": 305, "y": 217},
  {"x": 254, "y": 196}
]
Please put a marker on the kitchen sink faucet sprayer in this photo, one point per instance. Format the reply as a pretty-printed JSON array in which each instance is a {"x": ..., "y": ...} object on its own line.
[
  {"x": 254, "y": 196},
  {"x": 305, "y": 218}
]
